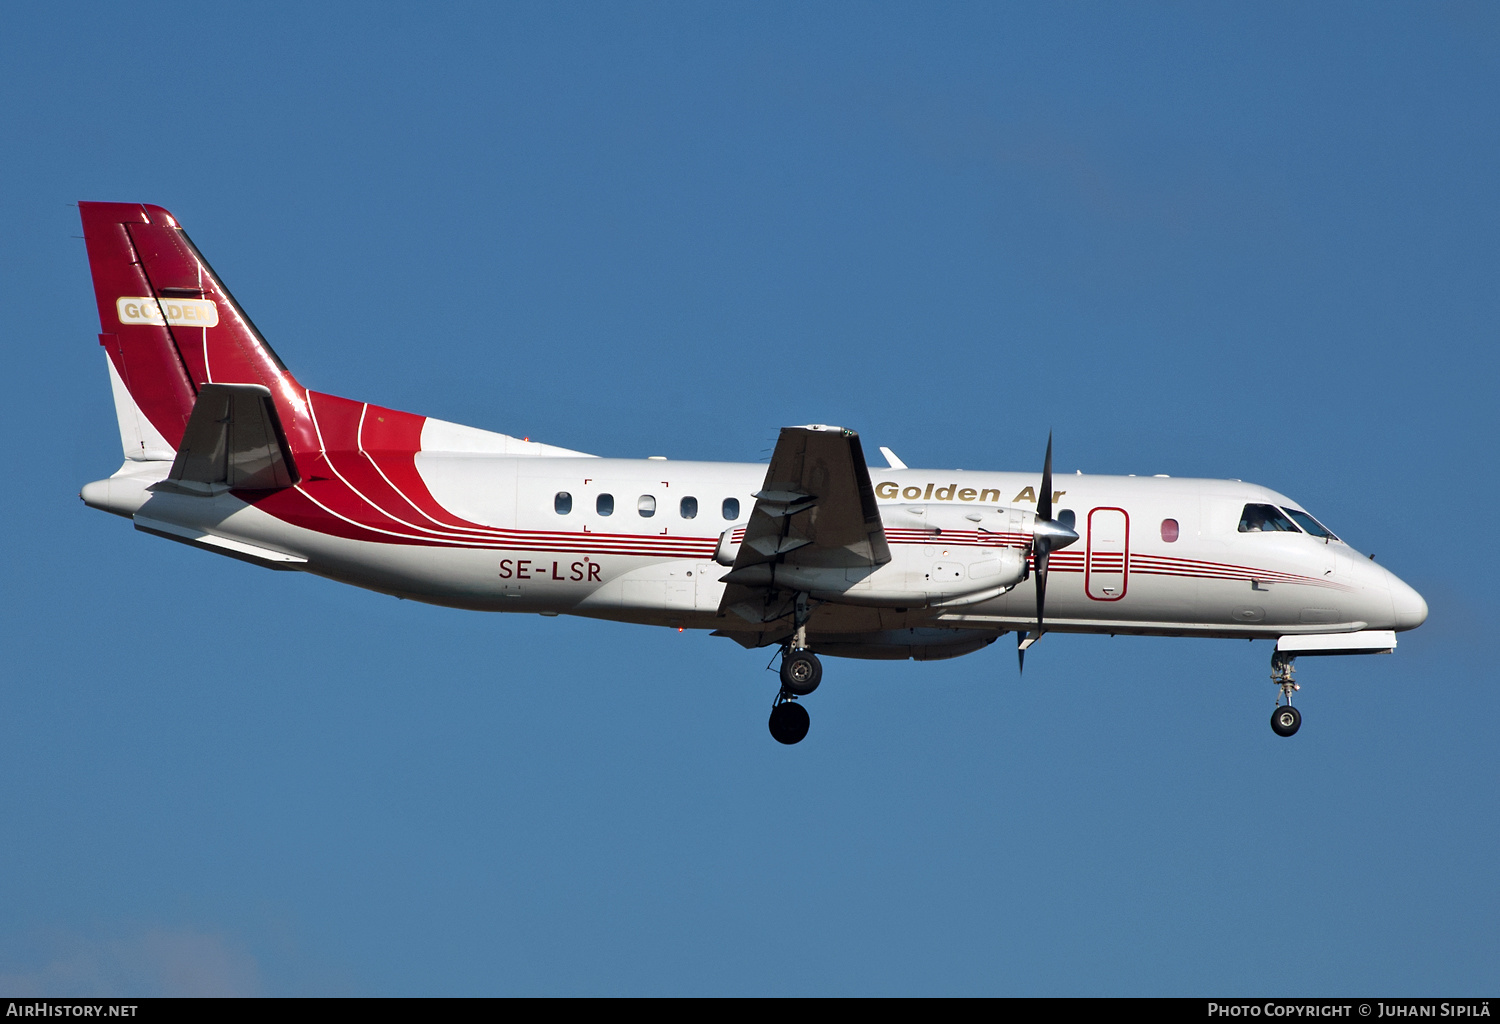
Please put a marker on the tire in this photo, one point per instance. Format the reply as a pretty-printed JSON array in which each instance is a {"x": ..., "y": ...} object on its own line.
[
  {"x": 789, "y": 722},
  {"x": 801, "y": 672},
  {"x": 1286, "y": 721}
]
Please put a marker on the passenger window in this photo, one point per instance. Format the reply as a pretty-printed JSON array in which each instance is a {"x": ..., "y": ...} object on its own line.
[
  {"x": 1310, "y": 524},
  {"x": 605, "y": 505},
  {"x": 1169, "y": 530},
  {"x": 1265, "y": 519},
  {"x": 646, "y": 505},
  {"x": 689, "y": 508},
  {"x": 731, "y": 508},
  {"x": 563, "y": 503}
]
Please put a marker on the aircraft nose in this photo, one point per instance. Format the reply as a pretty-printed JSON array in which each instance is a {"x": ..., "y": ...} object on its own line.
[{"x": 1410, "y": 610}]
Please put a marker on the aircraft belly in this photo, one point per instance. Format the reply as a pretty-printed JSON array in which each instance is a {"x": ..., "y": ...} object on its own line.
[
  {"x": 1155, "y": 598},
  {"x": 650, "y": 585},
  {"x": 457, "y": 576},
  {"x": 1149, "y": 599}
]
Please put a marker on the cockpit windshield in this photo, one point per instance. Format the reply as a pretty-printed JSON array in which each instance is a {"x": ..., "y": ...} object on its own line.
[
  {"x": 1310, "y": 524},
  {"x": 1265, "y": 519}
]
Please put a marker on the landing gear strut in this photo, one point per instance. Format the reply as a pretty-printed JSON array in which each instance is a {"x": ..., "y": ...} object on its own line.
[
  {"x": 801, "y": 672},
  {"x": 1285, "y": 720}
]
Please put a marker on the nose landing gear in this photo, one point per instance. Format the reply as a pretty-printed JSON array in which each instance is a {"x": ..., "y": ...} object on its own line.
[{"x": 1285, "y": 720}]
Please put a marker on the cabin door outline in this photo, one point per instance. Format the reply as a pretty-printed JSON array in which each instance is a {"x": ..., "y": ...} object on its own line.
[{"x": 1106, "y": 572}]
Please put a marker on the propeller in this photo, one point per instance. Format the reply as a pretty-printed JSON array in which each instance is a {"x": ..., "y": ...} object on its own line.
[{"x": 1047, "y": 536}]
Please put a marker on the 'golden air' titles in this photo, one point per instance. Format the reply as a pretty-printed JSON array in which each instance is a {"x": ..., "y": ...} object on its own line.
[{"x": 890, "y": 490}]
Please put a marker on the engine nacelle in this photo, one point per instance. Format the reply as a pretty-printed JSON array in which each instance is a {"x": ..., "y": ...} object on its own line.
[{"x": 941, "y": 556}]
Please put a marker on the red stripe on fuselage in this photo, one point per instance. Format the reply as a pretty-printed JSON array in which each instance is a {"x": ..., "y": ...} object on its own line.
[{"x": 364, "y": 485}]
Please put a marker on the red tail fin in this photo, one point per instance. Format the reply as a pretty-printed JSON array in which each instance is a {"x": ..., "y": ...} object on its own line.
[{"x": 170, "y": 326}]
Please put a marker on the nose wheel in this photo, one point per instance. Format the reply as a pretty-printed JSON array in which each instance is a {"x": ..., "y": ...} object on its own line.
[{"x": 1285, "y": 720}]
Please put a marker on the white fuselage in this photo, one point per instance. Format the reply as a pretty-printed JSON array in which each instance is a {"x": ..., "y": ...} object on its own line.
[{"x": 1155, "y": 555}]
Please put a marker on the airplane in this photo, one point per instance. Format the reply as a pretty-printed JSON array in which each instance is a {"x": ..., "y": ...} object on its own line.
[{"x": 814, "y": 554}]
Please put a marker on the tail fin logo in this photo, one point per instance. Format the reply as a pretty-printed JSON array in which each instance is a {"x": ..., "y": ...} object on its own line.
[{"x": 178, "y": 312}]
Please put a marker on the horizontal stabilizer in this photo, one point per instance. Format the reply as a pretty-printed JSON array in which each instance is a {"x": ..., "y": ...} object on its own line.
[
  {"x": 233, "y": 441},
  {"x": 252, "y": 553}
]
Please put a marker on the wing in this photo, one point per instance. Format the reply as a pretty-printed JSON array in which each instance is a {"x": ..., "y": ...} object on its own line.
[{"x": 814, "y": 517}]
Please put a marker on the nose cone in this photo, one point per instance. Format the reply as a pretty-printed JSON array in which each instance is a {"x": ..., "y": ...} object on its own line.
[{"x": 1409, "y": 608}]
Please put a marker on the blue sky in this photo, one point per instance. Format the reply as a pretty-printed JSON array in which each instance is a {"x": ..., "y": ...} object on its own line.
[{"x": 1251, "y": 241}]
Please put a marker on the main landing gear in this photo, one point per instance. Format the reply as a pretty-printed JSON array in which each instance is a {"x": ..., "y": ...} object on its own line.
[
  {"x": 789, "y": 720},
  {"x": 801, "y": 672},
  {"x": 1285, "y": 720}
]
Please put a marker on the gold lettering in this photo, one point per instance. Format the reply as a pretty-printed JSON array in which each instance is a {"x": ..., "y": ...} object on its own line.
[
  {"x": 1027, "y": 494},
  {"x": 886, "y": 490},
  {"x": 946, "y": 493},
  {"x": 969, "y": 494},
  {"x": 911, "y": 493},
  {"x": 1057, "y": 496},
  {"x": 928, "y": 495},
  {"x": 985, "y": 496}
]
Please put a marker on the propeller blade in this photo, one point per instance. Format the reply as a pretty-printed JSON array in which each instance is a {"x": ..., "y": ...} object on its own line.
[
  {"x": 1042, "y": 541},
  {"x": 1046, "y": 537},
  {"x": 1044, "y": 500},
  {"x": 1041, "y": 588}
]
